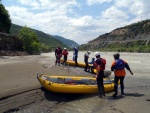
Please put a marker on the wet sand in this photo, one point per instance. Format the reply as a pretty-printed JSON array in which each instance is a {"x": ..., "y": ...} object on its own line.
[{"x": 21, "y": 92}]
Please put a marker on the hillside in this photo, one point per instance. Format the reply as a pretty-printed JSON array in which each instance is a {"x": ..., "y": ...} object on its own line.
[
  {"x": 43, "y": 37},
  {"x": 131, "y": 38},
  {"x": 68, "y": 42}
]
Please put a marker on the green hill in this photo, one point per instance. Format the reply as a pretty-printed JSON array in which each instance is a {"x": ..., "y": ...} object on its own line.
[
  {"x": 43, "y": 37},
  {"x": 131, "y": 38},
  {"x": 68, "y": 42}
]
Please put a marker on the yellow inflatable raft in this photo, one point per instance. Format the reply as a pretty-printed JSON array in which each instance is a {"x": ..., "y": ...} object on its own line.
[
  {"x": 72, "y": 63},
  {"x": 73, "y": 84}
]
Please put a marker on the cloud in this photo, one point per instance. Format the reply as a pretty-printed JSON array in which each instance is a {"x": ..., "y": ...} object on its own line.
[
  {"x": 61, "y": 17},
  {"x": 137, "y": 8},
  {"x": 80, "y": 29},
  {"x": 49, "y": 4},
  {"x": 93, "y": 2},
  {"x": 114, "y": 13},
  {"x": 19, "y": 15}
]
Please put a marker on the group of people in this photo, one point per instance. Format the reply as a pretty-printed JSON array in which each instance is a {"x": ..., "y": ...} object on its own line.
[
  {"x": 118, "y": 67},
  {"x": 59, "y": 53}
]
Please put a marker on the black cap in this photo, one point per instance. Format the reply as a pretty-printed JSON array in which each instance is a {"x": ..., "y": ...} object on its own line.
[{"x": 116, "y": 55}]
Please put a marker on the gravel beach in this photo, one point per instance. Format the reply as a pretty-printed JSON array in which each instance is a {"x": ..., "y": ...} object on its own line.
[{"x": 20, "y": 91}]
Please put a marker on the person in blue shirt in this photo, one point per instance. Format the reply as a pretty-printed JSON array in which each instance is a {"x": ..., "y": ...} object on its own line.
[
  {"x": 92, "y": 63},
  {"x": 75, "y": 55}
]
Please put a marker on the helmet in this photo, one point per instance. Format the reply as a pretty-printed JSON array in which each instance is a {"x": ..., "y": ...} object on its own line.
[
  {"x": 89, "y": 52},
  {"x": 97, "y": 54},
  {"x": 65, "y": 48},
  {"x": 75, "y": 47}
]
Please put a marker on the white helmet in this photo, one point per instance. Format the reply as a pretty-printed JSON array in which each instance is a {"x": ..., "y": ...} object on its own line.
[
  {"x": 97, "y": 54},
  {"x": 65, "y": 48},
  {"x": 89, "y": 52}
]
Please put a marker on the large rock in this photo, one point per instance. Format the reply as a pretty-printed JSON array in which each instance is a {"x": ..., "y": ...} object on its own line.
[{"x": 9, "y": 42}]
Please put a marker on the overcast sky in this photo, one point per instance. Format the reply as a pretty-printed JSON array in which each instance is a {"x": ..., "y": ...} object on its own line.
[{"x": 78, "y": 20}]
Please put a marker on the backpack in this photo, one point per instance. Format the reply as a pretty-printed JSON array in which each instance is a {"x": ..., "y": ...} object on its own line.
[
  {"x": 120, "y": 64},
  {"x": 103, "y": 64}
]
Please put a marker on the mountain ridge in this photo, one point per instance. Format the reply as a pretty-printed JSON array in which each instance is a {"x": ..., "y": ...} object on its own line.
[
  {"x": 128, "y": 38},
  {"x": 43, "y": 37},
  {"x": 48, "y": 39},
  {"x": 68, "y": 42}
]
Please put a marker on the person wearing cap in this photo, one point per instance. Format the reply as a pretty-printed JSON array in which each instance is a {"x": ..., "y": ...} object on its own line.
[
  {"x": 99, "y": 75},
  {"x": 65, "y": 53},
  {"x": 118, "y": 66},
  {"x": 86, "y": 57},
  {"x": 75, "y": 55}
]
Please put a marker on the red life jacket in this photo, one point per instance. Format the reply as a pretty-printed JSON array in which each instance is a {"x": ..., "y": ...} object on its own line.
[
  {"x": 102, "y": 66},
  {"x": 58, "y": 51},
  {"x": 65, "y": 53},
  {"x": 94, "y": 64}
]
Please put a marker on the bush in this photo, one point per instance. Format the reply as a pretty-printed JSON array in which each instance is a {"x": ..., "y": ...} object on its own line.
[
  {"x": 44, "y": 48},
  {"x": 35, "y": 48},
  {"x": 30, "y": 40}
]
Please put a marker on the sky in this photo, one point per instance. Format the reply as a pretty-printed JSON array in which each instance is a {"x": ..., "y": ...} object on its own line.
[{"x": 78, "y": 20}]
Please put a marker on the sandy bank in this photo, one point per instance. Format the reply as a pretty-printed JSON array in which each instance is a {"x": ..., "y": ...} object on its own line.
[{"x": 18, "y": 74}]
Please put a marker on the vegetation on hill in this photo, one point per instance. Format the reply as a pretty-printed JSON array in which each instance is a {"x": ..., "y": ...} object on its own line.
[
  {"x": 136, "y": 46},
  {"x": 5, "y": 21},
  {"x": 30, "y": 41},
  {"x": 131, "y": 38},
  {"x": 68, "y": 42},
  {"x": 46, "y": 40}
]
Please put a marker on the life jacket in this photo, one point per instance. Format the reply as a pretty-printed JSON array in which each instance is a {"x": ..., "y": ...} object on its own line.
[
  {"x": 65, "y": 53},
  {"x": 119, "y": 64},
  {"x": 75, "y": 52},
  {"x": 94, "y": 64},
  {"x": 58, "y": 51},
  {"x": 103, "y": 64}
]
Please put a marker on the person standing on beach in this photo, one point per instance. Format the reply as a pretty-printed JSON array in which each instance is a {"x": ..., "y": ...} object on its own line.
[
  {"x": 75, "y": 55},
  {"x": 100, "y": 73},
  {"x": 58, "y": 55},
  {"x": 65, "y": 53},
  {"x": 118, "y": 66},
  {"x": 86, "y": 57}
]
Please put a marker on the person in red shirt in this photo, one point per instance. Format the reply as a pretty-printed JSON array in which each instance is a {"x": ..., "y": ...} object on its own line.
[
  {"x": 100, "y": 74},
  {"x": 118, "y": 66},
  {"x": 65, "y": 53}
]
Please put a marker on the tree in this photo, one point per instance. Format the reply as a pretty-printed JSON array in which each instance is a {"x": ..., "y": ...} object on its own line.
[
  {"x": 30, "y": 41},
  {"x": 5, "y": 21},
  {"x": 45, "y": 48}
]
